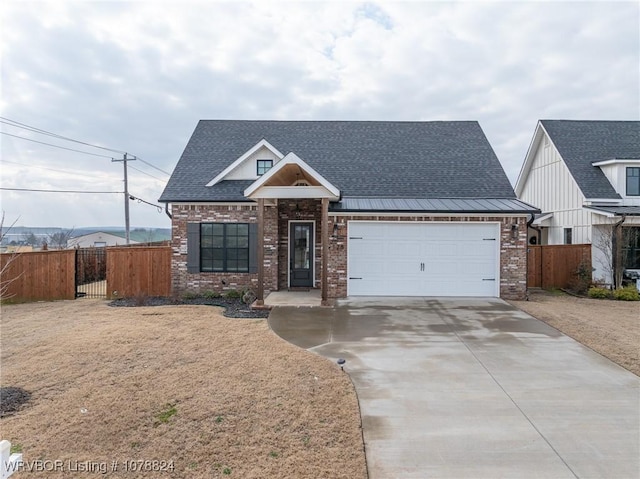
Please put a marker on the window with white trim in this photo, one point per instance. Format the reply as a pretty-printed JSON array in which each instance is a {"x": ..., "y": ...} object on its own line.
[
  {"x": 633, "y": 181},
  {"x": 263, "y": 166}
]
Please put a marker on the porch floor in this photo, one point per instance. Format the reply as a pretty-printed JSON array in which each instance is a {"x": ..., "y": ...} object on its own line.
[{"x": 313, "y": 297}]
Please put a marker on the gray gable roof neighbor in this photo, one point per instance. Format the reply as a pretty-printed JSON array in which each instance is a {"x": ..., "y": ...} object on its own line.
[
  {"x": 580, "y": 143},
  {"x": 371, "y": 159}
]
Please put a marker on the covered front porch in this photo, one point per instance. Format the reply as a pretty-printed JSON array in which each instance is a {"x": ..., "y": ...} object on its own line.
[{"x": 300, "y": 197}]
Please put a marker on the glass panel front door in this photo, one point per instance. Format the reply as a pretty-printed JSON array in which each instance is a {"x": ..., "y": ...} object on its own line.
[{"x": 301, "y": 255}]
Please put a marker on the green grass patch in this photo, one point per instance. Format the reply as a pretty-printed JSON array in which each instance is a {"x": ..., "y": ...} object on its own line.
[{"x": 169, "y": 410}]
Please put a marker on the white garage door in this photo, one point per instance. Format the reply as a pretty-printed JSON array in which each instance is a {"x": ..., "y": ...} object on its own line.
[{"x": 423, "y": 259}]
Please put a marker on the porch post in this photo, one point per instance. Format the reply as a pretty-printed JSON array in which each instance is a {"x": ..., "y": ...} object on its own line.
[
  {"x": 260, "y": 241},
  {"x": 325, "y": 248}
]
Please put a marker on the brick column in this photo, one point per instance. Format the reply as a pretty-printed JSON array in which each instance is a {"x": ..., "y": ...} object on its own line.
[
  {"x": 325, "y": 248},
  {"x": 260, "y": 288}
]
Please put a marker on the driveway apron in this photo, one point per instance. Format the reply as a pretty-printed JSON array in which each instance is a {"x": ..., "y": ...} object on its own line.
[{"x": 474, "y": 388}]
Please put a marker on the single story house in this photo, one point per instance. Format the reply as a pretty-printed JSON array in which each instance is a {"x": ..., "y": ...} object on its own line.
[
  {"x": 99, "y": 239},
  {"x": 585, "y": 178},
  {"x": 350, "y": 207}
]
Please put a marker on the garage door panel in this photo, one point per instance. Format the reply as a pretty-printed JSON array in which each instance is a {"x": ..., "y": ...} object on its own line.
[
  {"x": 368, "y": 249},
  {"x": 387, "y": 258}
]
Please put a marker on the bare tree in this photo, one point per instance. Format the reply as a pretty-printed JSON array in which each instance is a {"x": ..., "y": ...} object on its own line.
[
  {"x": 30, "y": 239},
  {"x": 611, "y": 243},
  {"x": 5, "y": 262},
  {"x": 60, "y": 239}
]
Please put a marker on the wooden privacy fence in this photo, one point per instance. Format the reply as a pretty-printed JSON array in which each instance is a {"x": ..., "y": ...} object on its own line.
[
  {"x": 555, "y": 266},
  {"x": 138, "y": 271},
  {"x": 54, "y": 275},
  {"x": 38, "y": 276}
]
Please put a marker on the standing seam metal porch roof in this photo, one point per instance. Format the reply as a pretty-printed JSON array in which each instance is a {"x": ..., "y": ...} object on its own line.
[
  {"x": 367, "y": 159},
  {"x": 435, "y": 205}
]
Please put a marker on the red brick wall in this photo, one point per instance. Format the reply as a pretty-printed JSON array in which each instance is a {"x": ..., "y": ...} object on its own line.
[
  {"x": 513, "y": 251},
  {"x": 183, "y": 282},
  {"x": 298, "y": 210}
]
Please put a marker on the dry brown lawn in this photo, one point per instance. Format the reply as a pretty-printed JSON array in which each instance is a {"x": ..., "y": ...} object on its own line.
[
  {"x": 611, "y": 328},
  {"x": 219, "y": 397}
]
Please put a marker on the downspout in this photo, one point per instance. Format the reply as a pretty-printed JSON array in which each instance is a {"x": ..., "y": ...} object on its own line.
[
  {"x": 537, "y": 229},
  {"x": 530, "y": 225},
  {"x": 617, "y": 252},
  {"x": 166, "y": 210}
]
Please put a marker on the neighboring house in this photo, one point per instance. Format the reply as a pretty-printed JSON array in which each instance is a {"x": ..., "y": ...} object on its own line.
[
  {"x": 98, "y": 239},
  {"x": 350, "y": 207},
  {"x": 585, "y": 178}
]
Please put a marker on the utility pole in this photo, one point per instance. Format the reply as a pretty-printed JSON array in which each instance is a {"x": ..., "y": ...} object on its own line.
[{"x": 126, "y": 196}]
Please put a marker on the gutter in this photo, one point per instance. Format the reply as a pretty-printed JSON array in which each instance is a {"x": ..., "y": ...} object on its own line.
[
  {"x": 166, "y": 210},
  {"x": 536, "y": 228}
]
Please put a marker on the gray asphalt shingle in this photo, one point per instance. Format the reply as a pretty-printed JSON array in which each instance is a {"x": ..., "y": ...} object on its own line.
[
  {"x": 581, "y": 142},
  {"x": 372, "y": 159}
]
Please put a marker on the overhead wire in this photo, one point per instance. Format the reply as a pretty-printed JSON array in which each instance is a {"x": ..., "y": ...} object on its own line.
[
  {"x": 140, "y": 200},
  {"x": 63, "y": 191},
  {"x": 152, "y": 166},
  {"x": 59, "y": 171},
  {"x": 56, "y": 146},
  {"x": 145, "y": 173},
  {"x": 17, "y": 124}
]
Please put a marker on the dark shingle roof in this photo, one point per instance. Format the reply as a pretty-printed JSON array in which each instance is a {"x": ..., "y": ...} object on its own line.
[
  {"x": 582, "y": 142},
  {"x": 445, "y": 159}
]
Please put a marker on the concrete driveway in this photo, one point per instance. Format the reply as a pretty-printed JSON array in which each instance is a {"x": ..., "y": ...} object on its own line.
[{"x": 474, "y": 388}]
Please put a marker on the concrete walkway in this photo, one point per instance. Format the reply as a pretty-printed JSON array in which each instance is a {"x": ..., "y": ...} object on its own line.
[
  {"x": 474, "y": 388},
  {"x": 313, "y": 297}
]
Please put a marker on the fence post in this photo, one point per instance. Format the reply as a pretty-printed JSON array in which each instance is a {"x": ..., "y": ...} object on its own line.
[{"x": 9, "y": 463}]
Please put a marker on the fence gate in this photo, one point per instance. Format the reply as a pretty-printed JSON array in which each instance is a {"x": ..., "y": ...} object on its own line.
[{"x": 91, "y": 273}]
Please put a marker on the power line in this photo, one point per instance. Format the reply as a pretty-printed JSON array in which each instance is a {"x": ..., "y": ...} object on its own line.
[
  {"x": 139, "y": 200},
  {"x": 59, "y": 171},
  {"x": 17, "y": 124},
  {"x": 55, "y": 146},
  {"x": 76, "y": 173},
  {"x": 63, "y": 191},
  {"x": 145, "y": 173},
  {"x": 152, "y": 166}
]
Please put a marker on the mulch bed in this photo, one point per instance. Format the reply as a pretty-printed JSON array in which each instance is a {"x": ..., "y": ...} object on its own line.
[
  {"x": 12, "y": 399},
  {"x": 233, "y": 308}
]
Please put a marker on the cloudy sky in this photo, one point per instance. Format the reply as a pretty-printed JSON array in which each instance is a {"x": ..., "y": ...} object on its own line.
[{"x": 136, "y": 77}]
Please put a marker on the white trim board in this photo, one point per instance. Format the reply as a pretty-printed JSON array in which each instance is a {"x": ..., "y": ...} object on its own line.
[{"x": 262, "y": 143}]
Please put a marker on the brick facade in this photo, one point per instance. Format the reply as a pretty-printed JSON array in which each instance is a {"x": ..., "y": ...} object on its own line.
[
  {"x": 513, "y": 247},
  {"x": 298, "y": 210},
  {"x": 183, "y": 282},
  {"x": 513, "y": 250}
]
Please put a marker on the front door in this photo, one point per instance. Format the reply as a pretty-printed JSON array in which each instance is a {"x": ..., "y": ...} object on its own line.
[{"x": 301, "y": 255}]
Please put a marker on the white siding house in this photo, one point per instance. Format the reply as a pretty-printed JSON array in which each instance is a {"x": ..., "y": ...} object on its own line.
[
  {"x": 97, "y": 240},
  {"x": 582, "y": 176}
]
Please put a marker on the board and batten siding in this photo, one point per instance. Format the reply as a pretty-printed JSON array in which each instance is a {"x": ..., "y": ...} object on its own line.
[
  {"x": 550, "y": 187},
  {"x": 616, "y": 173},
  {"x": 247, "y": 170}
]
